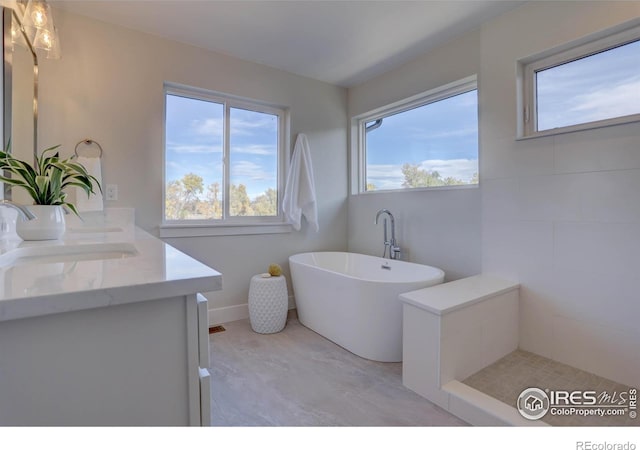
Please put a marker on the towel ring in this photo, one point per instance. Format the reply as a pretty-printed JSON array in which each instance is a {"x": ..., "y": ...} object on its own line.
[{"x": 88, "y": 142}]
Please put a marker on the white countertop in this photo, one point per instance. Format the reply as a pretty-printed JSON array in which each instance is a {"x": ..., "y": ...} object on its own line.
[
  {"x": 30, "y": 287},
  {"x": 447, "y": 297}
]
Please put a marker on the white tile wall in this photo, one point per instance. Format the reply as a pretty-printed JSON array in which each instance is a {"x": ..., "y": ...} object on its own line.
[
  {"x": 500, "y": 327},
  {"x": 440, "y": 228},
  {"x": 478, "y": 335},
  {"x": 607, "y": 148},
  {"x": 504, "y": 239},
  {"x": 597, "y": 349},
  {"x": 500, "y": 199},
  {"x": 595, "y": 268},
  {"x": 561, "y": 214},
  {"x": 533, "y": 156},
  {"x": 536, "y": 197},
  {"x": 536, "y": 321}
]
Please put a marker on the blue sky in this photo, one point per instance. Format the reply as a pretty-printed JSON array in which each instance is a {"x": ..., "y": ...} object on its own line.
[
  {"x": 598, "y": 87},
  {"x": 440, "y": 136},
  {"x": 194, "y": 144}
]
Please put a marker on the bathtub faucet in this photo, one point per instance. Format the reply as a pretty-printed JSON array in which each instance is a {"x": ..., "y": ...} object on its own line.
[{"x": 394, "y": 249}]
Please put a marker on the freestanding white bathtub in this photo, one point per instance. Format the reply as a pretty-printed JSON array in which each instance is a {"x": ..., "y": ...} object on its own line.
[{"x": 352, "y": 299}]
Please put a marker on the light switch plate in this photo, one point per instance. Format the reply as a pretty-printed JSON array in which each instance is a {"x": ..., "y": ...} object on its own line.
[{"x": 112, "y": 192}]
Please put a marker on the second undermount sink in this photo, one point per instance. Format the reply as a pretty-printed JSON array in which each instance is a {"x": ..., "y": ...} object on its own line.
[{"x": 42, "y": 254}]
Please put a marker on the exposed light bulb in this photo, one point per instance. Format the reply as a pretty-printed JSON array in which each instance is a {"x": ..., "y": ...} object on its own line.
[
  {"x": 46, "y": 40},
  {"x": 39, "y": 28},
  {"x": 43, "y": 40},
  {"x": 39, "y": 17}
]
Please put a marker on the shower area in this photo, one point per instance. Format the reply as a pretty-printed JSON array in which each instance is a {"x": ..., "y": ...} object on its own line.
[
  {"x": 462, "y": 351},
  {"x": 505, "y": 379}
]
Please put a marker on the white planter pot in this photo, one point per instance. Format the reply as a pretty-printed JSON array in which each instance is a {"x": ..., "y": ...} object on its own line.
[{"x": 48, "y": 224}]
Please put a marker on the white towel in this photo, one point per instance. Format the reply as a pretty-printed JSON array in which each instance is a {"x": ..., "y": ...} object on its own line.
[
  {"x": 94, "y": 202},
  {"x": 300, "y": 191}
]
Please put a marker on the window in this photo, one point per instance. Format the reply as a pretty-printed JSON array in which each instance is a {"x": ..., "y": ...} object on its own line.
[
  {"x": 591, "y": 83},
  {"x": 427, "y": 141},
  {"x": 223, "y": 159}
]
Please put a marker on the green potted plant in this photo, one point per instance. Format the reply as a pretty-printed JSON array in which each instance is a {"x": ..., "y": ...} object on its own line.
[{"x": 45, "y": 182}]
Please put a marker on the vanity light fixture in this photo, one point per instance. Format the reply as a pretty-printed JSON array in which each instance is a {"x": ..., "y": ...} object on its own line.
[
  {"x": 39, "y": 28},
  {"x": 17, "y": 35}
]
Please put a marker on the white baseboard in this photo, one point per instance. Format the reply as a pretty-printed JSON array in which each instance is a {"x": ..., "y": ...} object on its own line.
[{"x": 218, "y": 316}]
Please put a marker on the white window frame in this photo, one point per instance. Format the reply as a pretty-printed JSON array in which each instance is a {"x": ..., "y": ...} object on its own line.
[
  {"x": 358, "y": 124},
  {"x": 238, "y": 225},
  {"x": 589, "y": 45}
]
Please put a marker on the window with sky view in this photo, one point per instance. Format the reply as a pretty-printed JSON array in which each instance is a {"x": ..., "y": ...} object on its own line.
[
  {"x": 428, "y": 146},
  {"x": 196, "y": 150},
  {"x": 597, "y": 87}
]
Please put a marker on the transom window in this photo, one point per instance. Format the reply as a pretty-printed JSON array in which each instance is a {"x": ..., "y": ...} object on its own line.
[
  {"x": 223, "y": 158},
  {"x": 427, "y": 141},
  {"x": 592, "y": 83}
]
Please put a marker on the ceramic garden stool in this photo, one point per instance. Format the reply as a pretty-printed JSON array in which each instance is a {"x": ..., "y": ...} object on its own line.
[{"x": 268, "y": 302}]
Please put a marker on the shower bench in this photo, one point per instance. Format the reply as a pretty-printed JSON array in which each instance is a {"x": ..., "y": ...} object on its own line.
[{"x": 453, "y": 330}]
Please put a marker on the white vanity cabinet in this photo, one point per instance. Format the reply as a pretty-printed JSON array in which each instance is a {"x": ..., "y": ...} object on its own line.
[
  {"x": 88, "y": 340},
  {"x": 139, "y": 364}
]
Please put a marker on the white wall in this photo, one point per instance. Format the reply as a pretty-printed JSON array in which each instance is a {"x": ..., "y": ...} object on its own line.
[
  {"x": 109, "y": 86},
  {"x": 439, "y": 227},
  {"x": 561, "y": 214}
]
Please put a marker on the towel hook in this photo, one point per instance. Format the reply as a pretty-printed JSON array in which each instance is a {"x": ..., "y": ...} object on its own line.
[{"x": 88, "y": 142}]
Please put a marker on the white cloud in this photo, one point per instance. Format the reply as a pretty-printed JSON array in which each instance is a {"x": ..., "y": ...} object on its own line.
[
  {"x": 385, "y": 176},
  {"x": 255, "y": 149},
  {"x": 250, "y": 170},
  {"x": 208, "y": 127},
  {"x": 174, "y": 165},
  {"x": 239, "y": 127},
  {"x": 462, "y": 169},
  {"x": 256, "y": 179},
  {"x": 565, "y": 104},
  {"x": 418, "y": 133},
  {"x": 614, "y": 101},
  {"x": 193, "y": 148},
  {"x": 389, "y": 176}
]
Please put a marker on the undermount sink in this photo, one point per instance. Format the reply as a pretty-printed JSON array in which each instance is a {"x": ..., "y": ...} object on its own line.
[{"x": 42, "y": 254}]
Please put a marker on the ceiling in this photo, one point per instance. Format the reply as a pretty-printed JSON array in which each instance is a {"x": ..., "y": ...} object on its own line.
[{"x": 340, "y": 42}]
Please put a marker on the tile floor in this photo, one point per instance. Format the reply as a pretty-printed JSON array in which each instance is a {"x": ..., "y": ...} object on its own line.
[
  {"x": 298, "y": 378},
  {"x": 508, "y": 377}
]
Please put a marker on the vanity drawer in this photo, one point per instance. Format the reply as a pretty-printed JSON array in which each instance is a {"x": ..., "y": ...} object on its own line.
[
  {"x": 203, "y": 331},
  {"x": 205, "y": 397}
]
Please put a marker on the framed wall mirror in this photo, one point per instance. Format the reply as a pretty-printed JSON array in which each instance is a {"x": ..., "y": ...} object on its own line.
[{"x": 20, "y": 96}]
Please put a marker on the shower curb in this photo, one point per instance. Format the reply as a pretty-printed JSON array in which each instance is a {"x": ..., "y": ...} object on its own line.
[{"x": 480, "y": 409}]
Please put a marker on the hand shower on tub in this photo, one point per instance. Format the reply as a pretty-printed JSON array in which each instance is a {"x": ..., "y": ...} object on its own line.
[{"x": 394, "y": 249}]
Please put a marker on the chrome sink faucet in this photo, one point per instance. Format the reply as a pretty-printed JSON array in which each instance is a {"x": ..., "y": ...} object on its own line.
[
  {"x": 392, "y": 245},
  {"x": 23, "y": 211}
]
